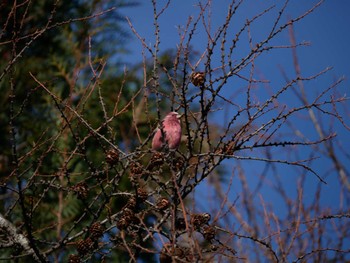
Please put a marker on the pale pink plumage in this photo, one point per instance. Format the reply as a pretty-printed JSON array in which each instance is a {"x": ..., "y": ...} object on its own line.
[{"x": 169, "y": 134}]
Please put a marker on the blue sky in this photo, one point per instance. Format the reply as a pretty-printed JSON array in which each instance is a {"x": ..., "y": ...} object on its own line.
[{"x": 327, "y": 28}]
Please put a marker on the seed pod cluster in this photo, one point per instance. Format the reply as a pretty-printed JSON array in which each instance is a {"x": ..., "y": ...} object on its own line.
[
  {"x": 198, "y": 78},
  {"x": 112, "y": 157},
  {"x": 157, "y": 160},
  {"x": 197, "y": 220},
  {"x": 208, "y": 232},
  {"x": 162, "y": 204},
  {"x": 178, "y": 163},
  {"x": 142, "y": 194},
  {"x": 96, "y": 230},
  {"x": 136, "y": 169},
  {"x": 74, "y": 259},
  {"x": 131, "y": 204},
  {"x": 81, "y": 189},
  {"x": 174, "y": 253},
  {"x": 168, "y": 251},
  {"x": 84, "y": 246},
  {"x": 127, "y": 218}
]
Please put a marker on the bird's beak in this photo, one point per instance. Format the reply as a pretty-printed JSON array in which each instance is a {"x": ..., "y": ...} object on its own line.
[{"x": 179, "y": 116}]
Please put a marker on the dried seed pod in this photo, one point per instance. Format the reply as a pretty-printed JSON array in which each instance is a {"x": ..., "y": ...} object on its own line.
[
  {"x": 96, "y": 230},
  {"x": 157, "y": 159},
  {"x": 208, "y": 232},
  {"x": 112, "y": 157},
  {"x": 136, "y": 172},
  {"x": 198, "y": 78},
  {"x": 81, "y": 189},
  {"x": 136, "y": 169},
  {"x": 74, "y": 259},
  {"x": 168, "y": 251},
  {"x": 178, "y": 163},
  {"x": 206, "y": 218},
  {"x": 122, "y": 223},
  {"x": 84, "y": 246},
  {"x": 142, "y": 194},
  {"x": 129, "y": 215},
  {"x": 197, "y": 220},
  {"x": 131, "y": 204},
  {"x": 126, "y": 218},
  {"x": 162, "y": 203}
]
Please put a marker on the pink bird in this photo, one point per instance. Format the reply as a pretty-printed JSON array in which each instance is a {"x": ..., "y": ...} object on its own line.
[{"x": 169, "y": 133}]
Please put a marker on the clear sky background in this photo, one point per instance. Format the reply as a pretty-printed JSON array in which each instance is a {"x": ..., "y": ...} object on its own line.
[{"x": 327, "y": 29}]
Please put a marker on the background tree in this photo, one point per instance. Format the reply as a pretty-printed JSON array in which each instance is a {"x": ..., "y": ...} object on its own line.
[{"x": 80, "y": 181}]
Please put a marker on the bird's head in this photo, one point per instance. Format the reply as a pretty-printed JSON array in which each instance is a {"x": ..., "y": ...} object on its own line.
[{"x": 172, "y": 116}]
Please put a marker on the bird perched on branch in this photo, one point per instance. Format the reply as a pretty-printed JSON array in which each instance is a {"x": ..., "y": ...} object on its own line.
[{"x": 169, "y": 132}]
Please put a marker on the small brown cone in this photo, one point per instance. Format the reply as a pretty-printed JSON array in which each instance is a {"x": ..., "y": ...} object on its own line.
[
  {"x": 198, "y": 78},
  {"x": 74, "y": 259},
  {"x": 162, "y": 203},
  {"x": 112, "y": 157},
  {"x": 96, "y": 230},
  {"x": 84, "y": 246}
]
